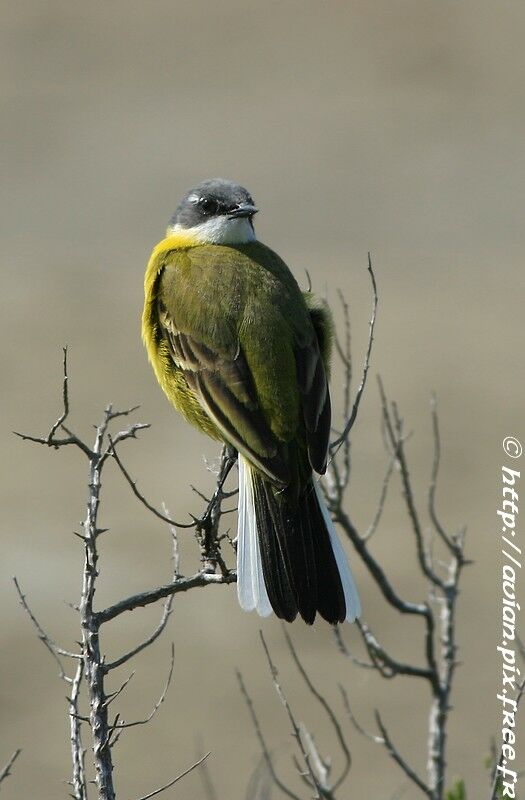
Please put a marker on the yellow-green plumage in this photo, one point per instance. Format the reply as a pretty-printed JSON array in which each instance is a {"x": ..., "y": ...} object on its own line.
[
  {"x": 244, "y": 356},
  {"x": 170, "y": 378},
  {"x": 232, "y": 299}
]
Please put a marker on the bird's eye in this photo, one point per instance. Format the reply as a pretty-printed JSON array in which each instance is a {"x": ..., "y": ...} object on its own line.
[{"x": 208, "y": 205}]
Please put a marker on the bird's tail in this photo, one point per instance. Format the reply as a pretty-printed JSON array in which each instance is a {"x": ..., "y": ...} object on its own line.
[{"x": 289, "y": 557}]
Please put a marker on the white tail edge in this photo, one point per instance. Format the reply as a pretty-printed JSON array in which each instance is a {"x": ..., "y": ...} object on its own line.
[
  {"x": 251, "y": 589},
  {"x": 353, "y": 604}
]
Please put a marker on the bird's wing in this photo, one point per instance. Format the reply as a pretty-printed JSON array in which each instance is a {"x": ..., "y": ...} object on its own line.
[
  {"x": 313, "y": 363},
  {"x": 216, "y": 370}
]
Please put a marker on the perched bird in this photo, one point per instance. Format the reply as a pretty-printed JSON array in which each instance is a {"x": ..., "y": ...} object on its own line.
[{"x": 244, "y": 356}]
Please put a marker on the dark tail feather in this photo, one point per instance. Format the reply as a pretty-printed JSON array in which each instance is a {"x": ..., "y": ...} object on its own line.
[
  {"x": 276, "y": 578},
  {"x": 300, "y": 569}
]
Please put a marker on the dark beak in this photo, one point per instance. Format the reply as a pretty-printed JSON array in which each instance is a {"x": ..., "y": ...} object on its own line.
[{"x": 244, "y": 210}]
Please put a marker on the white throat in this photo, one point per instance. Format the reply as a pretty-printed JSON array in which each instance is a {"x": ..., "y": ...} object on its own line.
[{"x": 219, "y": 230}]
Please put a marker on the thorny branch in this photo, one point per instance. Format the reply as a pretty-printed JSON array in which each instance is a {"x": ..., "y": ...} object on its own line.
[
  {"x": 438, "y": 611},
  {"x": 91, "y": 662}
]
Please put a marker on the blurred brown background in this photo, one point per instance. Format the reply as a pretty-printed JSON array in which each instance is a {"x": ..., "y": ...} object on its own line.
[{"x": 395, "y": 127}]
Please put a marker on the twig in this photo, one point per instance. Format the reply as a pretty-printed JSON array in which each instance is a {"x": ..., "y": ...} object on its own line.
[
  {"x": 440, "y": 625},
  {"x": 381, "y": 503},
  {"x": 453, "y": 545},
  {"x": 354, "y": 721},
  {"x": 90, "y": 662},
  {"x": 329, "y": 712},
  {"x": 404, "y": 606},
  {"x": 207, "y": 783},
  {"x": 295, "y": 727},
  {"x": 77, "y": 750},
  {"x": 50, "y": 440},
  {"x": 343, "y": 649},
  {"x": 334, "y": 447},
  {"x": 398, "y": 758},
  {"x": 113, "y": 695},
  {"x": 387, "y": 666},
  {"x": 46, "y": 640},
  {"x": 146, "y": 642},
  {"x": 393, "y": 426},
  {"x": 7, "y": 769},
  {"x": 122, "y": 725},
  {"x": 174, "y": 781},
  {"x": 182, "y": 584},
  {"x": 262, "y": 742},
  {"x": 133, "y": 484},
  {"x": 65, "y": 400}
]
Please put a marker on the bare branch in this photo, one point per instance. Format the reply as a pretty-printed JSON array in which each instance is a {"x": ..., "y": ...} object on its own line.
[
  {"x": 174, "y": 781},
  {"x": 344, "y": 351},
  {"x": 384, "y": 663},
  {"x": 355, "y": 723},
  {"x": 90, "y": 661},
  {"x": 7, "y": 769},
  {"x": 320, "y": 766},
  {"x": 182, "y": 584},
  {"x": 121, "y": 725},
  {"x": 65, "y": 400},
  {"x": 207, "y": 783},
  {"x": 405, "y": 607},
  {"x": 56, "y": 443},
  {"x": 342, "y": 647},
  {"x": 381, "y": 504},
  {"x": 77, "y": 751},
  {"x": 295, "y": 727},
  {"x": 53, "y": 648},
  {"x": 334, "y": 447},
  {"x": 175, "y": 557},
  {"x": 330, "y": 714},
  {"x": 127, "y": 433},
  {"x": 111, "y": 415},
  {"x": 139, "y": 496},
  {"x": 50, "y": 440},
  {"x": 150, "y": 639},
  {"x": 398, "y": 758},
  {"x": 439, "y": 642},
  {"x": 113, "y": 695},
  {"x": 394, "y": 429},
  {"x": 345, "y": 354},
  {"x": 453, "y": 545},
  {"x": 262, "y": 742}
]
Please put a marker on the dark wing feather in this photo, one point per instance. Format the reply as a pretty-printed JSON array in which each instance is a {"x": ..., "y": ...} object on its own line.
[{"x": 224, "y": 387}]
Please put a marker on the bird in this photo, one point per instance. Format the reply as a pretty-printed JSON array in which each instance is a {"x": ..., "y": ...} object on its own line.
[{"x": 244, "y": 355}]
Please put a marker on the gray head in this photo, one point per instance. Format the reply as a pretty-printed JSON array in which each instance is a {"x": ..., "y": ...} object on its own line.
[{"x": 216, "y": 211}]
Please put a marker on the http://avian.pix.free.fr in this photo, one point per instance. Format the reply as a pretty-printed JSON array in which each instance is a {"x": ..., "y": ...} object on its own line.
[{"x": 244, "y": 356}]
